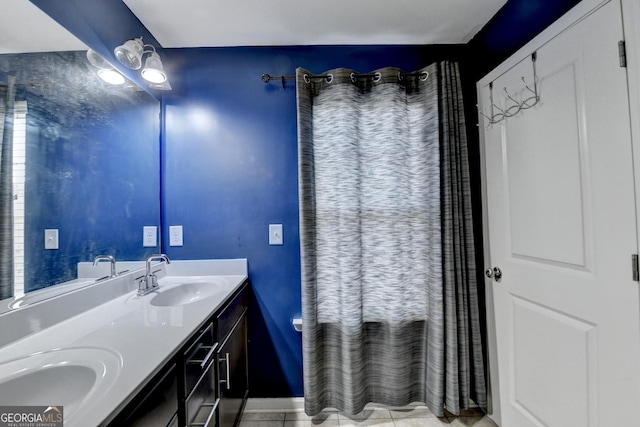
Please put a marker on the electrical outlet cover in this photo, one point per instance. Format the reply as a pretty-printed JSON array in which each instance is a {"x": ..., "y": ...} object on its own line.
[
  {"x": 150, "y": 236},
  {"x": 175, "y": 235}
]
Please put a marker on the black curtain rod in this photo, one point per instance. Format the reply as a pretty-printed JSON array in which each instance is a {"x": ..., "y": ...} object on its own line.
[{"x": 268, "y": 78}]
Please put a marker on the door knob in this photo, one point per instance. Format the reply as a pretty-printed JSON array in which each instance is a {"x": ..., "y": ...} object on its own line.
[{"x": 493, "y": 273}]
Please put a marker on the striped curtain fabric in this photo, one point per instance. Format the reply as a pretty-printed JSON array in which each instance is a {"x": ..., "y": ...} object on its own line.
[{"x": 389, "y": 300}]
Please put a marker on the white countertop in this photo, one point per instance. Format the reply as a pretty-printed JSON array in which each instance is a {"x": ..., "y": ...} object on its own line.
[{"x": 135, "y": 338}]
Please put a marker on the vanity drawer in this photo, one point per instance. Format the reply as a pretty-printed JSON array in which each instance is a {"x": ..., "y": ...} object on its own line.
[
  {"x": 198, "y": 357},
  {"x": 231, "y": 313},
  {"x": 201, "y": 405}
]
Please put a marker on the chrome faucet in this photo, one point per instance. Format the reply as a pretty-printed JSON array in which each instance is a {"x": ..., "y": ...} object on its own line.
[
  {"x": 109, "y": 258},
  {"x": 150, "y": 282}
]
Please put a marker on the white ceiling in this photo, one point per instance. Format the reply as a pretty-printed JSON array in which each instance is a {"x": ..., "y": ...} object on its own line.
[
  {"x": 197, "y": 23},
  {"x": 25, "y": 28}
]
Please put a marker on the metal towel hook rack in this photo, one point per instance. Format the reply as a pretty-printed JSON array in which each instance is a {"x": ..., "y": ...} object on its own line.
[{"x": 516, "y": 106}]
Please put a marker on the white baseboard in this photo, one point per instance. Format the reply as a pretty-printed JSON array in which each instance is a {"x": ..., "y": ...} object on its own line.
[{"x": 275, "y": 404}]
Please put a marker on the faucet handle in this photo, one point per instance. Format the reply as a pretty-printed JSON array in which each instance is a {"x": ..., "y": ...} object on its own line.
[{"x": 154, "y": 282}]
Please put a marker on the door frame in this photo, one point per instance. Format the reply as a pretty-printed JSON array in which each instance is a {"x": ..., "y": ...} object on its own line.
[
  {"x": 631, "y": 29},
  {"x": 566, "y": 21}
]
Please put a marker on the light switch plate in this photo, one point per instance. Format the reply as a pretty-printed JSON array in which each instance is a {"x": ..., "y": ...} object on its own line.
[
  {"x": 51, "y": 238},
  {"x": 175, "y": 235},
  {"x": 150, "y": 236},
  {"x": 275, "y": 234}
]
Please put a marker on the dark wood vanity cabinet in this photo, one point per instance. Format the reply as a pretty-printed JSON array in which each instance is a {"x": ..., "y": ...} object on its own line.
[
  {"x": 215, "y": 376},
  {"x": 206, "y": 383},
  {"x": 232, "y": 365}
]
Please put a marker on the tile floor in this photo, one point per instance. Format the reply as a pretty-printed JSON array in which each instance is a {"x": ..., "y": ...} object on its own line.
[{"x": 378, "y": 417}]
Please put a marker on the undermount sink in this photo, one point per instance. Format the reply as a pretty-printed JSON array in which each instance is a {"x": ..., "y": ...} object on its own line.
[
  {"x": 186, "y": 293},
  {"x": 64, "y": 377}
]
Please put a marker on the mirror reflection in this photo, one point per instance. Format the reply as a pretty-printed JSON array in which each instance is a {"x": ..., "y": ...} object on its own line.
[{"x": 79, "y": 169}]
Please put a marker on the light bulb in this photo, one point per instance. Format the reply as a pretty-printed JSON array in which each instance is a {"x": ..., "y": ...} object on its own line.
[{"x": 111, "y": 76}]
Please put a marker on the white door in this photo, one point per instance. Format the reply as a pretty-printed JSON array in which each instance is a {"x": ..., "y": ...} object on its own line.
[{"x": 561, "y": 221}]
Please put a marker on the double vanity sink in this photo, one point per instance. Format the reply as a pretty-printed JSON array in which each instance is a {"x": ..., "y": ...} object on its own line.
[
  {"x": 178, "y": 291},
  {"x": 95, "y": 350},
  {"x": 69, "y": 377}
]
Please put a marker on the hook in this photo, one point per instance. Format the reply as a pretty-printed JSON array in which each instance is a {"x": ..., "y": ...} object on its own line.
[
  {"x": 502, "y": 112},
  {"x": 535, "y": 97},
  {"x": 514, "y": 109},
  {"x": 527, "y": 86},
  {"x": 490, "y": 119},
  {"x": 509, "y": 96}
]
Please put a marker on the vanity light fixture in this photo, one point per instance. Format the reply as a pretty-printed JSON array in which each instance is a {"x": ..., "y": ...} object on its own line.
[
  {"x": 131, "y": 53},
  {"x": 105, "y": 71}
]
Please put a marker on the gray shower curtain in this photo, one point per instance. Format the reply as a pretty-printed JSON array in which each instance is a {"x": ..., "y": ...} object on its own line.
[
  {"x": 7, "y": 100},
  {"x": 389, "y": 299}
]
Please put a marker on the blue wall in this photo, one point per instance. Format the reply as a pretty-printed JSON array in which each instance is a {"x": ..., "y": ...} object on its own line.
[
  {"x": 229, "y": 151},
  {"x": 230, "y": 169}
]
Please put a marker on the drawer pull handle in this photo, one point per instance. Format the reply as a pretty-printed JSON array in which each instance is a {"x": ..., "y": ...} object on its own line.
[
  {"x": 226, "y": 381},
  {"x": 207, "y": 358},
  {"x": 212, "y": 412}
]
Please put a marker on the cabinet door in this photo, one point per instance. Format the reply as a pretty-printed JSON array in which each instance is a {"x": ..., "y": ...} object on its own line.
[
  {"x": 232, "y": 373},
  {"x": 155, "y": 406}
]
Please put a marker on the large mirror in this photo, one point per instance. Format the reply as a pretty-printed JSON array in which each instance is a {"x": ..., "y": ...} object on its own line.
[{"x": 80, "y": 159}]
